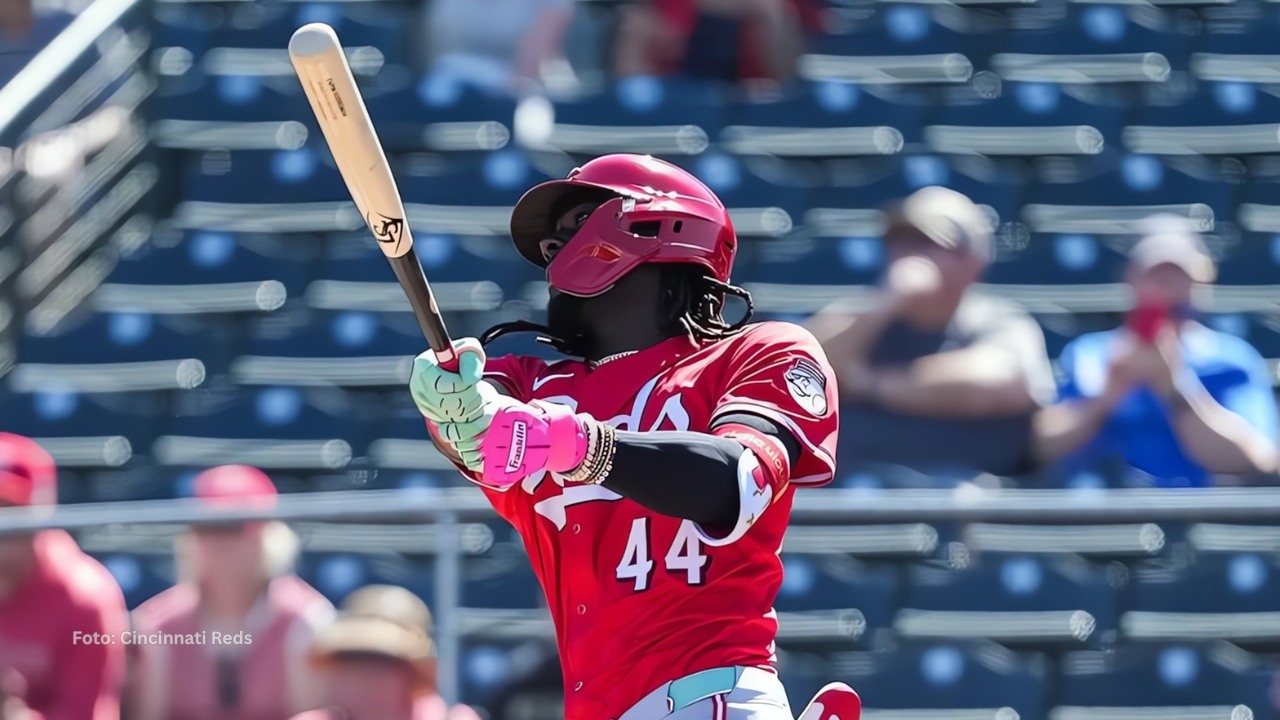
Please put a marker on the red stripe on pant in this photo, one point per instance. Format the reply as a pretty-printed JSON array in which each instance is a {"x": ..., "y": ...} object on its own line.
[{"x": 719, "y": 707}]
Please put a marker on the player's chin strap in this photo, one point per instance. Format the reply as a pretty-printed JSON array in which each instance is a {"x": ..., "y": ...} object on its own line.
[{"x": 544, "y": 335}]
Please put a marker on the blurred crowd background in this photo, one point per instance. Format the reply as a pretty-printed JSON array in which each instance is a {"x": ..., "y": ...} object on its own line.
[{"x": 184, "y": 284}]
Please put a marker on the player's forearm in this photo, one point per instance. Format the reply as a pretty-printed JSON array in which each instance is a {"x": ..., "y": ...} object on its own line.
[
  {"x": 1218, "y": 439},
  {"x": 964, "y": 383},
  {"x": 680, "y": 474}
]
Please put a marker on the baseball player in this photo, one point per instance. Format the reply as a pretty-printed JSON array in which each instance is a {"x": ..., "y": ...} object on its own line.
[{"x": 650, "y": 475}]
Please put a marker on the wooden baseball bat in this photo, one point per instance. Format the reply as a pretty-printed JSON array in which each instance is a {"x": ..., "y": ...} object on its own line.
[{"x": 321, "y": 65}]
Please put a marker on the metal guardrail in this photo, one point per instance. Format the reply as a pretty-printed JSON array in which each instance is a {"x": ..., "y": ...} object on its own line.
[
  {"x": 80, "y": 171},
  {"x": 54, "y": 60},
  {"x": 451, "y": 509}
]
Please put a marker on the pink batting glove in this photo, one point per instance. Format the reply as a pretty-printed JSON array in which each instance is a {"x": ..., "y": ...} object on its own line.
[{"x": 524, "y": 438}]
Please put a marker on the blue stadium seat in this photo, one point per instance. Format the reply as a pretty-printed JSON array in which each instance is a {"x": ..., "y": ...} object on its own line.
[
  {"x": 1081, "y": 214},
  {"x": 1239, "y": 51},
  {"x": 209, "y": 272},
  {"x": 840, "y": 239},
  {"x": 234, "y": 99},
  {"x": 206, "y": 257},
  {"x": 833, "y": 600},
  {"x": 334, "y": 575},
  {"x": 272, "y": 427},
  {"x": 501, "y": 579},
  {"x": 1097, "y": 43},
  {"x": 1174, "y": 678},
  {"x": 437, "y": 113},
  {"x": 99, "y": 430},
  {"x": 348, "y": 349},
  {"x": 192, "y": 110},
  {"x": 1025, "y": 119},
  {"x": 765, "y": 198},
  {"x": 1220, "y": 118},
  {"x": 1011, "y": 598},
  {"x": 184, "y": 25},
  {"x": 403, "y": 446},
  {"x": 466, "y": 271},
  {"x": 140, "y": 576},
  {"x": 125, "y": 338},
  {"x": 823, "y": 119},
  {"x": 1255, "y": 258},
  {"x": 659, "y": 116},
  {"x": 947, "y": 676},
  {"x": 1229, "y": 596},
  {"x": 270, "y": 25},
  {"x": 283, "y": 176},
  {"x": 471, "y": 197},
  {"x": 922, "y": 48},
  {"x": 488, "y": 667}
]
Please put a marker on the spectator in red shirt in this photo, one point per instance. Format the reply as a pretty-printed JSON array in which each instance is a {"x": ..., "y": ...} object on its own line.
[
  {"x": 381, "y": 660},
  {"x": 62, "y": 614},
  {"x": 230, "y": 641},
  {"x": 717, "y": 39}
]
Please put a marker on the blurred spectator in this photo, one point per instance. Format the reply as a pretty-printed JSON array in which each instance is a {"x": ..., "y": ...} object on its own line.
[
  {"x": 61, "y": 613},
  {"x": 257, "y": 618},
  {"x": 1172, "y": 397},
  {"x": 939, "y": 376},
  {"x": 715, "y": 39},
  {"x": 500, "y": 46},
  {"x": 380, "y": 660}
]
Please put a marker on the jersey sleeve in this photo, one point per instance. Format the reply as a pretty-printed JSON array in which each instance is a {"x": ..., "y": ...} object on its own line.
[
  {"x": 514, "y": 374},
  {"x": 778, "y": 371}
]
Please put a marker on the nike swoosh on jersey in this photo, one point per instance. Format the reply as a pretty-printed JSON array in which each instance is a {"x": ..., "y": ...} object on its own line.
[{"x": 543, "y": 381}]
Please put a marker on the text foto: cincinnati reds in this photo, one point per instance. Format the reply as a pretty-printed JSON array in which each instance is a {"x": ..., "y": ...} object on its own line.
[{"x": 131, "y": 637}]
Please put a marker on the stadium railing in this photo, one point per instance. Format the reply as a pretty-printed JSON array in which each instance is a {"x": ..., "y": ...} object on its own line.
[
  {"x": 75, "y": 190},
  {"x": 453, "y": 512}
]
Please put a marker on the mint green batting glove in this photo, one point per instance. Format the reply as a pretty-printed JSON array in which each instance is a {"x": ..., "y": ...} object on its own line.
[
  {"x": 465, "y": 437},
  {"x": 443, "y": 396},
  {"x": 469, "y": 454}
]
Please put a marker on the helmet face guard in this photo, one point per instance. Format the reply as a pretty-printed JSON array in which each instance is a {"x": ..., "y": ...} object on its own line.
[{"x": 624, "y": 233}]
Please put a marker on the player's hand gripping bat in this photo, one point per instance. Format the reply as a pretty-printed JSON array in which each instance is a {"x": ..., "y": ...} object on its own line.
[{"x": 326, "y": 77}]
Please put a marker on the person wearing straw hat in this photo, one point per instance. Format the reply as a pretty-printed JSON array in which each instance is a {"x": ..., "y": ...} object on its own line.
[
  {"x": 379, "y": 660},
  {"x": 1165, "y": 394}
]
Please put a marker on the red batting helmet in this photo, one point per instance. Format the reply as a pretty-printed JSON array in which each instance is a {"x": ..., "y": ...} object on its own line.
[{"x": 660, "y": 214}]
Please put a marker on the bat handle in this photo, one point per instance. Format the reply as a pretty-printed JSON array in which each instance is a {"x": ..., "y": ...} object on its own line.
[{"x": 409, "y": 273}]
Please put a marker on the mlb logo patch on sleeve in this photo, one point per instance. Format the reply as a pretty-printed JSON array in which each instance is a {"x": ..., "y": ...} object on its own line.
[{"x": 808, "y": 386}]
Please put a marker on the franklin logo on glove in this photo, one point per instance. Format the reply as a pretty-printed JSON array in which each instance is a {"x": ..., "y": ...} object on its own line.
[{"x": 515, "y": 456}]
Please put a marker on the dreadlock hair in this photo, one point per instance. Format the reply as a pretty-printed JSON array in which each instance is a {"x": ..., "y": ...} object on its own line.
[
  {"x": 696, "y": 303},
  {"x": 700, "y": 300}
]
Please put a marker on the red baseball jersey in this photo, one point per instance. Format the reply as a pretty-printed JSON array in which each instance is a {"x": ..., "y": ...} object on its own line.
[{"x": 638, "y": 598}]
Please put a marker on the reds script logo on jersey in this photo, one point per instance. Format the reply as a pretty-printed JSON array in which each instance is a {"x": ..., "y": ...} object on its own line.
[{"x": 639, "y": 598}]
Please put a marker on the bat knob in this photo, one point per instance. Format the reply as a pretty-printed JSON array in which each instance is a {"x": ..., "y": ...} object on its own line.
[{"x": 448, "y": 358}]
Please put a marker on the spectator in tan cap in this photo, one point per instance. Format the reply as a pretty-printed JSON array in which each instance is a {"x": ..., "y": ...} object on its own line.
[
  {"x": 1164, "y": 394},
  {"x": 61, "y": 612},
  {"x": 253, "y": 619},
  {"x": 938, "y": 376},
  {"x": 380, "y": 662}
]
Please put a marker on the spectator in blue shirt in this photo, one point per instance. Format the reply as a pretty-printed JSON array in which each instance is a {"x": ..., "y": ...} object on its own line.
[{"x": 1171, "y": 397}]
